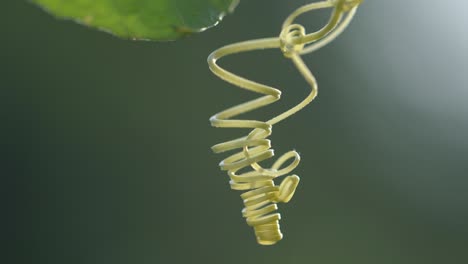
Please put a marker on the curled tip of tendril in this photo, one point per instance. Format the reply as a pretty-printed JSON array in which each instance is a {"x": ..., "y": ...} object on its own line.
[{"x": 289, "y": 39}]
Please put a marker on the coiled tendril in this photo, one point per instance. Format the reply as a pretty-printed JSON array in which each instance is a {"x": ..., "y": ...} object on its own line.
[{"x": 262, "y": 194}]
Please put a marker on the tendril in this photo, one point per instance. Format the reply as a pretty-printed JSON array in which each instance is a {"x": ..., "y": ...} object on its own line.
[{"x": 262, "y": 194}]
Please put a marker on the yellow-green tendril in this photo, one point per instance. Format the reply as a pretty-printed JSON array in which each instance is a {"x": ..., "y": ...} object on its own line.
[{"x": 262, "y": 194}]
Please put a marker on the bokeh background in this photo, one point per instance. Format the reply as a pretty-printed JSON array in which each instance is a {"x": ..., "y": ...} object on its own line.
[{"x": 105, "y": 143}]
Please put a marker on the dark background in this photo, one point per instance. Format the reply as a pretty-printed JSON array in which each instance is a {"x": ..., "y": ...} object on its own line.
[{"x": 105, "y": 143}]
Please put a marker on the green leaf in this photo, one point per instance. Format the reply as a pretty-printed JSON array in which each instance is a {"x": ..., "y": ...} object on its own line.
[{"x": 142, "y": 19}]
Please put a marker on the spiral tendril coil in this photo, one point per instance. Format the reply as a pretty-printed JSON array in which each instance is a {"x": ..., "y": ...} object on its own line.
[{"x": 262, "y": 194}]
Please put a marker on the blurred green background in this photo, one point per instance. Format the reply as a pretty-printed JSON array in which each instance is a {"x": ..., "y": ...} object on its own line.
[{"x": 105, "y": 143}]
